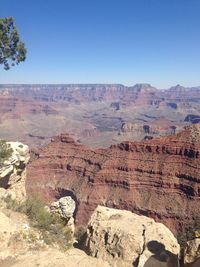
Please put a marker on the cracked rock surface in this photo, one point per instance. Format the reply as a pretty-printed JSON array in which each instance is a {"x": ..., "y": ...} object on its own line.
[
  {"x": 192, "y": 251},
  {"x": 65, "y": 207},
  {"x": 123, "y": 238},
  {"x": 13, "y": 171},
  {"x": 52, "y": 258}
]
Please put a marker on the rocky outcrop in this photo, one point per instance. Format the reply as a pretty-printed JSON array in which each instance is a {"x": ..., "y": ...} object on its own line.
[
  {"x": 158, "y": 178},
  {"x": 13, "y": 171},
  {"x": 17, "y": 236},
  {"x": 192, "y": 251},
  {"x": 65, "y": 207},
  {"x": 7, "y": 229},
  {"x": 126, "y": 239},
  {"x": 23, "y": 246},
  {"x": 157, "y": 127},
  {"x": 182, "y": 94}
]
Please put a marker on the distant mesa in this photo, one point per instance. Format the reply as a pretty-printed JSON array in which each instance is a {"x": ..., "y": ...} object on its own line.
[{"x": 178, "y": 87}]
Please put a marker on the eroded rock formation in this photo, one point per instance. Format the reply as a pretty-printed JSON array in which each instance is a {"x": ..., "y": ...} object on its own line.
[
  {"x": 158, "y": 178},
  {"x": 65, "y": 207},
  {"x": 13, "y": 171},
  {"x": 192, "y": 251},
  {"x": 157, "y": 127},
  {"x": 96, "y": 114},
  {"x": 123, "y": 238}
]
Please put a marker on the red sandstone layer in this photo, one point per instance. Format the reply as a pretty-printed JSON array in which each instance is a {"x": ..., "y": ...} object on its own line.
[{"x": 159, "y": 178}]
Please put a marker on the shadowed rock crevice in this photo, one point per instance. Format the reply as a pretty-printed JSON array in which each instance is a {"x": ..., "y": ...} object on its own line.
[
  {"x": 136, "y": 262},
  {"x": 161, "y": 256}
]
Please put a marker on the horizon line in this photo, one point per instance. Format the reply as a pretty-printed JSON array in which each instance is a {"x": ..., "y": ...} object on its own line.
[{"x": 94, "y": 84}]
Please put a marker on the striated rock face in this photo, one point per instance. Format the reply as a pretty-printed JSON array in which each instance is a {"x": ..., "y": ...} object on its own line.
[
  {"x": 155, "y": 128},
  {"x": 14, "y": 107},
  {"x": 158, "y": 178},
  {"x": 13, "y": 170},
  {"x": 139, "y": 93},
  {"x": 125, "y": 239}
]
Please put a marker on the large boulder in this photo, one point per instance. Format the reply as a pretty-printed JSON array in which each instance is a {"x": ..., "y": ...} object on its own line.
[
  {"x": 65, "y": 207},
  {"x": 125, "y": 239}
]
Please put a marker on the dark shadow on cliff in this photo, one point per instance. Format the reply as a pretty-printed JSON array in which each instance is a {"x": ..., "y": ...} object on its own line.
[{"x": 160, "y": 258}]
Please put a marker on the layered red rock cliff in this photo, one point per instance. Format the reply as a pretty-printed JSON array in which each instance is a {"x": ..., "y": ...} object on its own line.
[
  {"x": 159, "y": 178},
  {"x": 13, "y": 107}
]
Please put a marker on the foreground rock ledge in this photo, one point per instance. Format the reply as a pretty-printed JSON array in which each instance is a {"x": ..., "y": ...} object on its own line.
[
  {"x": 125, "y": 239},
  {"x": 55, "y": 258}
]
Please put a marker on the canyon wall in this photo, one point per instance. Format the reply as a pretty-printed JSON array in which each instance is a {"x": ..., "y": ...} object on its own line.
[
  {"x": 95, "y": 114},
  {"x": 159, "y": 178},
  {"x": 139, "y": 93}
]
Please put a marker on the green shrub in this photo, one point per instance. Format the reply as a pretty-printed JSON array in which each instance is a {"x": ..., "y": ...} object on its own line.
[
  {"x": 189, "y": 231},
  {"x": 53, "y": 228},
  {"x": 12, "y": 204},
  {"x": 44, "y": 219},
  {"x": 5, "y": 151},
  {"x": 58, "y": 234},
  {"x": 34, "y": 208}
]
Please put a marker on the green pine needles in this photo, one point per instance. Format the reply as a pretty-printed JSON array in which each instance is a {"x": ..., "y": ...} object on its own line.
[
  {"x": 5, "y": 151},
  {"x": 12, "y": 49}
]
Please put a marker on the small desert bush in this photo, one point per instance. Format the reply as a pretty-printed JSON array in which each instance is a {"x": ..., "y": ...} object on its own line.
[
  {"x": 53, "y": 228},
  {"x": 189, "y": 231},
  {"x": 58, "y": 234},
  {"x": 5, "y": 151},
  {"x": 12, "y": 203},
  {"x": 35, "y": 209}
]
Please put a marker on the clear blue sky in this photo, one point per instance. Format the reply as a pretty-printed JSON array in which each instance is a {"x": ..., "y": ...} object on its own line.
[{"x": 107, "y": 41}]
